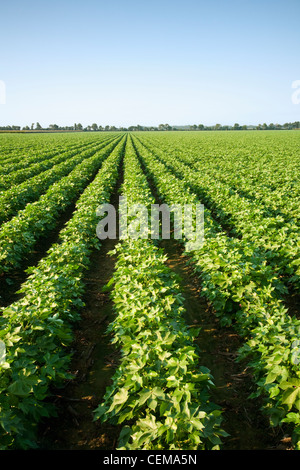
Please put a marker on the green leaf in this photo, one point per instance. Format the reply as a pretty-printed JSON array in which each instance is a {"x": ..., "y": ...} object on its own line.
[
  {"x": 197, "y": 423},
  {"x": 144, "y": 397},
  {"x": 124, "y": 435},
  {"x": 158, "y": 393},
  {"x": 120, "y": 397},
  {"x": 152, "y": 403},
  {"x": 291, "y": 397},
  {"x": 20, "y": 388},
  {"x": 99, "y": 412}
]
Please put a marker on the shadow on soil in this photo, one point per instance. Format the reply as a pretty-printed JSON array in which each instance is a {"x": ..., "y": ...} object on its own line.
[
  {"x": 242, "y": 417},
  {"x": 93, "y": 364}
]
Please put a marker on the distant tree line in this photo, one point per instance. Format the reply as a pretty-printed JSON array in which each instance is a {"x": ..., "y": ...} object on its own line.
[{"x": 162, "y": 127}]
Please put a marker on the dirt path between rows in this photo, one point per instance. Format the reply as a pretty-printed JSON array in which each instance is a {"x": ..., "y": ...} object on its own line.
[
  {"x": 93, "y": 364},
  {"x": 10, "y": 284},
  {"x": 242, "y": 417}
]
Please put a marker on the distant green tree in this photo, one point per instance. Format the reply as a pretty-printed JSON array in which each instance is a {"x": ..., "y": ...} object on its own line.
[{"x": 95, "y": 126}]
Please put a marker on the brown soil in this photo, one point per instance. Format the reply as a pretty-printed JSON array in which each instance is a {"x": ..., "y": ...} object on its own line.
[
  {"x": 10, "y": 284},
  {"x": 292, "y": 302},
  {"x": 93, "y": 365},
  {"x": 242, "y": 417}
]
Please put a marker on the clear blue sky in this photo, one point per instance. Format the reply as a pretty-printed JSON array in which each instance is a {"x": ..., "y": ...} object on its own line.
[{"x": 133, "y": 62}]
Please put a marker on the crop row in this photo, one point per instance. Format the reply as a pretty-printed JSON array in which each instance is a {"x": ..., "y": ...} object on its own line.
[
  {"x": 245, "y": 292},
  {"x": 20, "y": 158},
  {"x": 28, "y": 171},
  {"x": 18, "y": 148},
  {"x": 14, "y": 151},
  {"x": 37, "y": 329},
  {"x": 16, "y": 198},
  {"x": 275, "y": 196},
  {"x": 268, "y": 175},
  {"x": 31, "y": 163},
  {"x": 19, "y": 235},
  {"x": 159, "y": 386},
  {"x": 279, "y": 243}
]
